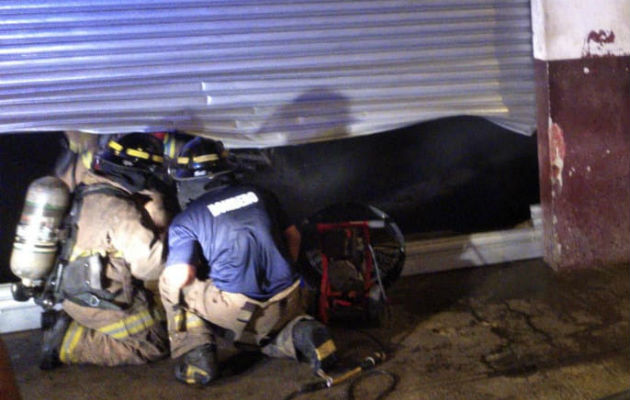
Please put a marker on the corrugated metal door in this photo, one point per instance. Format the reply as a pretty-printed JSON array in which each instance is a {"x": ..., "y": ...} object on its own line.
[{"x": 262, "y": 73}]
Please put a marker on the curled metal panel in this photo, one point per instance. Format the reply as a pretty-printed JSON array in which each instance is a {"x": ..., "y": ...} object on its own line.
[{"x": 262, "y": 73}]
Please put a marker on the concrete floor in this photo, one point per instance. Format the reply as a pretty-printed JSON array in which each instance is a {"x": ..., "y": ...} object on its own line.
[{"x": 515, "y": 331}]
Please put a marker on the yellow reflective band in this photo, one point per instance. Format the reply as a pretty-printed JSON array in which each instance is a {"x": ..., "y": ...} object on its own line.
[
  {"x": 115, "y": 145},
  {"x": 78, "y": 253},
  {"x": 74, "y": 146},
  {"x": 158, "y": 159},
  {"x": 129, "y": 326},
  {"x": 86, "y": 159},
  {"x": 70, "y": 341},
  {"x": 195, "y": 324},
  {"x": 206, "y": 158},
  {"x": 325, "y": 349},
  {"x": 169, "y": 145},
  {"x": 138, "y": 153},
  {"x": 192, "y": 321},
  {"x": 182, "y": 160},
  {"x": 191, "y": 371}
]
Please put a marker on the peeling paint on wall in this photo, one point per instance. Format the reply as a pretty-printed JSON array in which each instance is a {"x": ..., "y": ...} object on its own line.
[
  {"x": 599, "y": 43},
  {"x": 570, "y": 30},
  {"x": 601, "y": 37},
  {"x": 557, "y": 152},
  {"x": 557, "y": 250}
]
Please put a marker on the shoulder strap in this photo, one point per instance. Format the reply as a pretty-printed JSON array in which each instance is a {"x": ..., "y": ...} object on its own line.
[
  {"x": 99, "y": 188},
  {"x": 72, "y": 218}
]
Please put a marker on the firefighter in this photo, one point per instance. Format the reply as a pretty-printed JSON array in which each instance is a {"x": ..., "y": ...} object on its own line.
[
  {"x": 229, "y": 271},
  {"x": 109, "y": 317},
  {"x": 75, "y": 161}
]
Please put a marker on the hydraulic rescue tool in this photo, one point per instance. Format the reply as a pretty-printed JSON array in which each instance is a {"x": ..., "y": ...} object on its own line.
[{"x": 352, "y": 253}]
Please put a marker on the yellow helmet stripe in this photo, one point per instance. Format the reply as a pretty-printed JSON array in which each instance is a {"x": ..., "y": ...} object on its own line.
[
  {"x": 206, "y": 158},
  {"x": 115, "y": 145},
  {"x": 138, "y": 153},
  {"x": 198, "y": 159}
]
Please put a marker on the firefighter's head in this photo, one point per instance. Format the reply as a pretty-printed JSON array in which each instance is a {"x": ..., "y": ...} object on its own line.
[
  {"x": 200, "y": 164},
  {"x": 131, "y": 159}
]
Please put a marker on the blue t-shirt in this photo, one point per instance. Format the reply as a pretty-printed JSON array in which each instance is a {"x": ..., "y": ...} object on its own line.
[{"x": 237, "y": 232}]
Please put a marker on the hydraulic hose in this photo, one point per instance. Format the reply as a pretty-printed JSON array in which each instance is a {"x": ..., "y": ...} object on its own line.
[{"x": 367, "y": 364}]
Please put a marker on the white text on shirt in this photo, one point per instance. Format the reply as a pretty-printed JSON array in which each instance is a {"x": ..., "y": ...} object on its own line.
[{"x": 233, "y": 203}]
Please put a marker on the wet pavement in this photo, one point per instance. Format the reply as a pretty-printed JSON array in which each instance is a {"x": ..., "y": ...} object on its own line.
[{"x": 513, "y": 331}]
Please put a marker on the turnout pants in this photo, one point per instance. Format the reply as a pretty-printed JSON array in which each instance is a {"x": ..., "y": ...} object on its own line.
[
  {"x": 135, "y": 335},
  {"x": 201, "y": 310}
]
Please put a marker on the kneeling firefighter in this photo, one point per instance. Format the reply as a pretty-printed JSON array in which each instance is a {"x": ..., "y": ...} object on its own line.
[
  {"x": 250, "y": 294},
  {"x": 115, "y": 249}
]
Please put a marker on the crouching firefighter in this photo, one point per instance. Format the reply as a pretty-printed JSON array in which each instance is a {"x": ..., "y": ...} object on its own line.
[
  {"x": 114, "y": 250},
  {"x": 236, "y": 238}
]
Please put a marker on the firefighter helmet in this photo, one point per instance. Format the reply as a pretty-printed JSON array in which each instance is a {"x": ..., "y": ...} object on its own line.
[
  {"x": 200, "y": 158},
  {"x": 137, "y": 151}
]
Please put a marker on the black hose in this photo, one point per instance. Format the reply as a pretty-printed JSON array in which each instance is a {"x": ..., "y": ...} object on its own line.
[
  {"x": 384, "y": 393},
  {"x": 364, "y": 371},
  {"x": 320, "y": 385}
]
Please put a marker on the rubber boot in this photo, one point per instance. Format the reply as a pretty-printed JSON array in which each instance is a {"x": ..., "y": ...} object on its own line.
[
  {"x": 54, "y": 331},
  {"x": 314, "y": 344},
  {"x": 199, "y": 366}
]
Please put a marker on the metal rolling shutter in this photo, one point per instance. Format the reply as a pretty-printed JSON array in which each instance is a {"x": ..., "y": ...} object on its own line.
[{"x": 262, "y": 73}]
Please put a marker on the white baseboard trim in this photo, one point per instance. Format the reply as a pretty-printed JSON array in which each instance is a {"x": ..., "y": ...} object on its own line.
[
  {"x": 477, "y": 249},
  {"x": 17, "y": 316}
]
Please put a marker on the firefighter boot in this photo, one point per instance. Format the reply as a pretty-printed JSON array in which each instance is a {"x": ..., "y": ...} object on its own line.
[
  {"x": 198, "y": 366},
  {"x": 313, "y": 344},
  {"x": 54, "y": 325}
]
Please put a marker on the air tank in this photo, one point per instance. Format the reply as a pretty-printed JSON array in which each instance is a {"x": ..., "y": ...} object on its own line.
[{"x": 37, "y": 234}]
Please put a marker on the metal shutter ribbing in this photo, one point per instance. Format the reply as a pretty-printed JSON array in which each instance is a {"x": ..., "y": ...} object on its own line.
[{"x": 262, "y": 73}]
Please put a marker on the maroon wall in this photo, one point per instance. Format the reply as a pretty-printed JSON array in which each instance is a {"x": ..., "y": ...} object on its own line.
[{"x": 584, "y": 159}]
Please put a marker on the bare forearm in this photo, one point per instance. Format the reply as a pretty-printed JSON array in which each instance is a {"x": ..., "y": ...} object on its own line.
[
  {"x": 293, "y": 240},
  {"x": 179, "y": 275}
]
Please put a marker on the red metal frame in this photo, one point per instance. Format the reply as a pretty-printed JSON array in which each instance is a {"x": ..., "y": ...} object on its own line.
[{"x": 327, "y": 297}]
